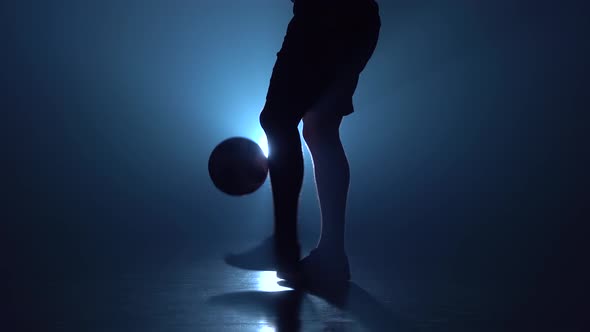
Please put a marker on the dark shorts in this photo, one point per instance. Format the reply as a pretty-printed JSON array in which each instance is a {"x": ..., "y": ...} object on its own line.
[{"x": 323, "y": 53}]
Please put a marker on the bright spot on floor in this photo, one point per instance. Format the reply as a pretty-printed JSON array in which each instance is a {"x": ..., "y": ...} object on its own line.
[
  {"x": 267, "y": 282},
  {"x": 266, "y": 328}
]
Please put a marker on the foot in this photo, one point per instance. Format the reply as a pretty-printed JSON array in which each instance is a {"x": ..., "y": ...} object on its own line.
[
  {"x": 320, "y": 267},
  {"x": 269, "y": 255}
]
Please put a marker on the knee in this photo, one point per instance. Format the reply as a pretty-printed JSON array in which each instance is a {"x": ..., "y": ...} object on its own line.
[
  {"x": 310, "y": 133},
  {"x": 266, "y": 120},
  {"x": 275, "y": 122},
  {"x": 315, "y": 135}
]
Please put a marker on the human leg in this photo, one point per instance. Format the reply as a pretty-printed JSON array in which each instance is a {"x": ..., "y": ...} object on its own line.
[
  {"x": 332, "y": 175},
  {"x": 289, "y": 95},
  {"x": 285, "y": 168}
]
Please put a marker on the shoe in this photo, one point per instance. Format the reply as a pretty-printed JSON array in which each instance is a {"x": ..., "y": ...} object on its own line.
[
  {"x": 320, "y": 267},
  {"x": 269, "y": 255}
]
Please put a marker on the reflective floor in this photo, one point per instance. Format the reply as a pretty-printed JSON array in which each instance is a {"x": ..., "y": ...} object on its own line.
[{"x": 203, "y": 294}]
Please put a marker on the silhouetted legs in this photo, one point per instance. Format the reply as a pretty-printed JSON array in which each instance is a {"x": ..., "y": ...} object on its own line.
[
  {"x": 332, "y": 175},
  {"x": 285, "y": 168},
  {"x": 282, "y": 250},
  {"x": 317, "y": 67},
  {"x": 321, "y": 132}
]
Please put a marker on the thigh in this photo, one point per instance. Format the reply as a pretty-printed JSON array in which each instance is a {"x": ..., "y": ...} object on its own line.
[
  {"x": 300, "y": 74},
  {"x": 343, "y": 49},
  {"x": 318, "y": 66},
  {"x": 337, "y": 97},
  {"x": 321, "y": 129},
  {"x": 315, "y": 124}
]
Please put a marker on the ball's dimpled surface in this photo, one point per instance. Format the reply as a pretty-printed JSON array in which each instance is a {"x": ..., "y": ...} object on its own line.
[{"x": 237, "y": 166}]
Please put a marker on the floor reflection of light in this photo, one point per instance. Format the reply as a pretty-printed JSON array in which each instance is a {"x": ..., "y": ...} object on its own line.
[
  {"x": 266, "y": 328},
  {"x": 267, "y": 282}
]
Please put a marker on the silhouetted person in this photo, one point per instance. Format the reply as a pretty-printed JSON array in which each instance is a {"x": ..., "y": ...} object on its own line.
[{"x": 327, "y": 45}]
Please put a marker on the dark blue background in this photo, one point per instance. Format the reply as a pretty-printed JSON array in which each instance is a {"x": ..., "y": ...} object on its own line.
[{"x": 468, "y": 147}]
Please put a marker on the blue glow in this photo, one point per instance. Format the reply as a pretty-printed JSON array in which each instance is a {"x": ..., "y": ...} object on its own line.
[{"x": 262, "y": 141}]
